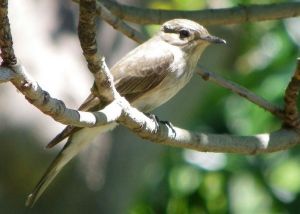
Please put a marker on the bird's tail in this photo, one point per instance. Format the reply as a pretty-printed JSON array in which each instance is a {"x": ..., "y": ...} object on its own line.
[{"x": 73, "y": 146}]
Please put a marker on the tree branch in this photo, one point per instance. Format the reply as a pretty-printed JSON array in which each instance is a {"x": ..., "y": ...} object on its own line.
[
  {"x": 6, "y": 44},
  {"x": 262, "y": 143},
  {"x": 291, "y": 114},
  {"x": 96, "y": 63},
  {"x": 119, "y": 25},
  {"x": 241, "y": 91},
  {"x": 53, "y": 107},
  {"x": 234, "y": 15},
  {"x": 6, "y": 74},
  {"x": 120, "y": 110}
]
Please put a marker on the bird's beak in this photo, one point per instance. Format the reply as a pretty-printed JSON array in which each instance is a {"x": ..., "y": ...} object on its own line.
[{"x": 213, "y": 39}]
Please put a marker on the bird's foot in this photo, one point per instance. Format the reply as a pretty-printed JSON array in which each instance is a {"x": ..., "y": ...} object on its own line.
[{"x": 157, "y": 121}]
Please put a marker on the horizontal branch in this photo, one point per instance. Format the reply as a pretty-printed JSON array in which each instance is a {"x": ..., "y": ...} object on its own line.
[
  {"x": 121, "y": 111},
  {"x": 234, "y": 15},
  {"x": 173, "y": 136}
]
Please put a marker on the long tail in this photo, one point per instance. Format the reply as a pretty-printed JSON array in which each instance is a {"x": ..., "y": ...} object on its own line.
[{"x": 73, "y": 146}]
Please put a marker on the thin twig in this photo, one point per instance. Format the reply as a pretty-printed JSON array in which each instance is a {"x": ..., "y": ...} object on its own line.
[
  {"x": 234, "y": 15},
  {"x": 119, "y": 25},
  {"x": 291, "y": 114},
  {"x": 241, "y": 91}
]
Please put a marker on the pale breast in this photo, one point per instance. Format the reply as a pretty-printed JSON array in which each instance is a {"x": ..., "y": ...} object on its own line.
[
  {"x": 176, "y": 79},
  {"x": 182, "y": 69}
]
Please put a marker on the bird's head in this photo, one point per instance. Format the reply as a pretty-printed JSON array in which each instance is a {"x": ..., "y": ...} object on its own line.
[{"x": 187, "y": 34}]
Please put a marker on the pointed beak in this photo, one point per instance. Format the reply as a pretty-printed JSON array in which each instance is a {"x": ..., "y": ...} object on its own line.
[{"x": 213, "y": 39}]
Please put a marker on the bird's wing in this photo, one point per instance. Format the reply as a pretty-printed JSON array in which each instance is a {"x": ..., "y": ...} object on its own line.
[
  {"x": 143, "y": 70},
  {"x": 139, "y": 71}
]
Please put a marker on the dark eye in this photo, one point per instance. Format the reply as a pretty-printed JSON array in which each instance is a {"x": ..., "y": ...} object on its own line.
[{"x": 184, "y": 33}]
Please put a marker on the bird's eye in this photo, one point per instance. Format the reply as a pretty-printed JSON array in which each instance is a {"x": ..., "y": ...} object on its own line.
[{"x": 184, "y": 33}]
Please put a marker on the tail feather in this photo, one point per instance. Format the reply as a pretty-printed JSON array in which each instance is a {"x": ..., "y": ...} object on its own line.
[
  {"x": 47, "y": 178},
  {"x": 67, "y": 132},
  {"x": 73, "y": 146},
  {"x": 91, "y": 103}
]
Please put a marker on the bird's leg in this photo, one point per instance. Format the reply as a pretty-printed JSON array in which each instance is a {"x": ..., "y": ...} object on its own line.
[
  {"x": 154, "y": 118},
  {"x": 157, "y": 121}
]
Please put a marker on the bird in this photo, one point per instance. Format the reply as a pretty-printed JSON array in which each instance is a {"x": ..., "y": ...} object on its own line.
[{"x": 148, "y": 76}]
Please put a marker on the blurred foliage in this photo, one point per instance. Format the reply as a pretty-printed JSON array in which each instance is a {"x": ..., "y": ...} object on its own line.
[
  {"x": 263, "y": 60},
  {"x": 260, "y": 56}
]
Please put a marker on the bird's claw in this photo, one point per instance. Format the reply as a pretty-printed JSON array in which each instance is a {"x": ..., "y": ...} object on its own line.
[
  {"x": 168, "y": 123},
  {"x": 154, "y": 118},
  {"x": 157, "y": 121}
]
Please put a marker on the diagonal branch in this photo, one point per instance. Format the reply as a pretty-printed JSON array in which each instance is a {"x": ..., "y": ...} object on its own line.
[
  {"x": 118, "y": 24},
  {"x": 241, "y": 91},
  {"x": 234, "y": 15},
  {"x": 6, "y": 74},
  {"x": 53, "y": 107}
]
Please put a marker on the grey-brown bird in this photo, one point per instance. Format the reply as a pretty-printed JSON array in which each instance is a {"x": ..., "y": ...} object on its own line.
[{"x": 147, "y": 77}]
